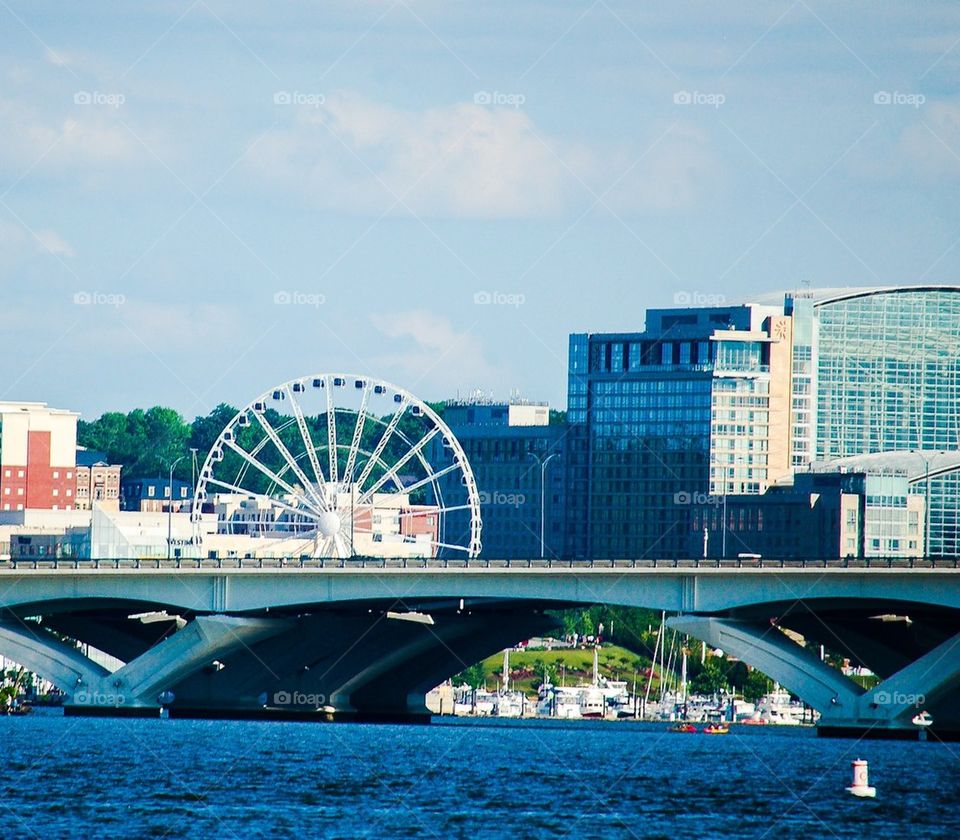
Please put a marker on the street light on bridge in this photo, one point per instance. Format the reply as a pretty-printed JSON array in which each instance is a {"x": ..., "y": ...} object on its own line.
[
  {"x": 543, "y": 472},
  {"x": 173, "y": 466}
]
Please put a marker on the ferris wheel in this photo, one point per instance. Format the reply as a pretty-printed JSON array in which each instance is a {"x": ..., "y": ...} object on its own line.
[{"x": 341, "y": 465}]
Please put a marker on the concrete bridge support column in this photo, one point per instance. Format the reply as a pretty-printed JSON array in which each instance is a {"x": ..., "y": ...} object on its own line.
[
  {"x": 845, "y": 707},
  {"x": 138, "y": 688}
]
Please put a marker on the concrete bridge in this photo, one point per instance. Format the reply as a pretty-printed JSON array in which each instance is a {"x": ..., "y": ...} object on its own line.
[{"x": 308, "y": 639}]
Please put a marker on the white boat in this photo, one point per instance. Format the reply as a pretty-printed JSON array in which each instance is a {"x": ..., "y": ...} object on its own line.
[
  {"x": 559, "y": 702},
  {"x": 922, "y": 719},
  {"x": 777, "y": 708}
]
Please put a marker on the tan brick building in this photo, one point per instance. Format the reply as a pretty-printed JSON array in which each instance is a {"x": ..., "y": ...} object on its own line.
[{"x": 97, "y": 481}]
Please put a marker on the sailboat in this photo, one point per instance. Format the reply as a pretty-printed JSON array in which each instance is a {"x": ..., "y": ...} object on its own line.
[{"x": 509, "y": 704}]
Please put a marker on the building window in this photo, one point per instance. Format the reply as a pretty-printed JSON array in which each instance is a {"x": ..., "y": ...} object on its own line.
[
  {"x": 56, "y": 473},
  {"x": 151, "y": 492},
  {"x": 6, "y": 473},
  {"x": 56, "y": 492},
  {"x": 20, "y": 473}
]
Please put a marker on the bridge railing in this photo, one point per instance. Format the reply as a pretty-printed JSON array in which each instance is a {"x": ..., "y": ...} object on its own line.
[{"x": 372, "y": 563}]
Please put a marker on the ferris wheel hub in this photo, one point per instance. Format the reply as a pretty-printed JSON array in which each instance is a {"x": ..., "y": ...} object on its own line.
[{"x": 329, "y": 524}]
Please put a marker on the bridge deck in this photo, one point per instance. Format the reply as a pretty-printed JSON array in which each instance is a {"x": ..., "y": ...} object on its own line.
[{"x": 71, "y": 565}]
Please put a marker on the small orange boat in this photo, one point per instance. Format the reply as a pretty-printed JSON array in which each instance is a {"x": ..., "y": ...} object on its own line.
[{"x": 716, "y": 729}]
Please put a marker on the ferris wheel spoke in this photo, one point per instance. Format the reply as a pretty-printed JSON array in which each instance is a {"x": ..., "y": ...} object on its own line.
[
  {"x": 276, "y": 479},
  {"x": 282, "y": 449},
  {"x": 242, "y": 491},
  {"x": 357, "y": 433},
  {"x": 431, "y": 478},
  {"x": 399, "y": 465},
  {"x": 332, "y": 433},
  {"x": 382, "y": 443},
  {"x": 308, "y": 445},
  {"x": 341, "y": 546}
]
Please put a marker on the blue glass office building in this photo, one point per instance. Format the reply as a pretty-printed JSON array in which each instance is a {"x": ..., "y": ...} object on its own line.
[
  {"x": 720, "y": 401},
  {"x": 888, "y": 374}
]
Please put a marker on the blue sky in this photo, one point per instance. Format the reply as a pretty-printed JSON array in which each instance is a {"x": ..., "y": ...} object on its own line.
[{"x": 201, "y": 199}]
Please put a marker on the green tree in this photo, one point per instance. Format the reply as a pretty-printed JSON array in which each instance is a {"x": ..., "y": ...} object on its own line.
[
  {"x": 756, "y": 685},
  {"x": 474, "y": 676},
  {"x": 711, "y": 679},
  {"x": 204, "y": 431}
]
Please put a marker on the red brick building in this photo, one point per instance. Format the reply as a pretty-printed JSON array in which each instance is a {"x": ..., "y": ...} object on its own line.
[{"x": 37, "y": 457}]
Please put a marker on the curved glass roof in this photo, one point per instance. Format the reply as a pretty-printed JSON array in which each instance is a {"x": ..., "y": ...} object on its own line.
[
  {"x": 828, "y": 295},
  {"x": 914, "y": 463}
]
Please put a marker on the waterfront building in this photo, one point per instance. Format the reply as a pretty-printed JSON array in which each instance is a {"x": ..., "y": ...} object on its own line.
[
  {"x": 841, "y": 509},
  {"x": 888, "y": 379},
  {"x": 98, "y": 481},
  {"x": 37, "y": 457},
  {"x": 155, "y": 494},
  {"x": 694, "y": 405},
  {"x": 506, "y": 443},
  {"x": 724, "y": 401}
]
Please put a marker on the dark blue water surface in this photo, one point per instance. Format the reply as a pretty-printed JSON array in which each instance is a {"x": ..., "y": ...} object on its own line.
[{"x": 67, "y": 777}]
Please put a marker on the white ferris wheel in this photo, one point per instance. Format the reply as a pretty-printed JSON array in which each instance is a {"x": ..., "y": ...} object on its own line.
[{"x": 337, "y": 466}]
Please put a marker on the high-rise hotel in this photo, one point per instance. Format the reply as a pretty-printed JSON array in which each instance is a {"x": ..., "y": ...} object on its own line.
[{"x": 717, "y": 402}]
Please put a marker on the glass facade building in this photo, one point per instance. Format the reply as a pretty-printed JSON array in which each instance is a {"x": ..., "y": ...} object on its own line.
[
  {"x": 662, "y": 421},
  {"x": 714, "y": 402},
  {"x": 505, "y": 444},
  {"x": 888, "y": 370}
]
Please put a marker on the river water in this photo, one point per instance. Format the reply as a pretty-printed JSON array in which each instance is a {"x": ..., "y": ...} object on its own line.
[{"x": 70, "y": 777}]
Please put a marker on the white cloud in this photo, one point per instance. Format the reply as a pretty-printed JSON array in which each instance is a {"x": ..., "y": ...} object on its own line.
[
  {"x": 677, "y": 171},
  {"x": 466, "y": 160},
  {"x": 429, "y": 354},
  {"x": 87, "y": 136},
  {"x": 56, "y": 57},
  {"x": 53, "y": 242},
  {"x": 931, "y": 145},
  {"x": 461, "y": 160}
]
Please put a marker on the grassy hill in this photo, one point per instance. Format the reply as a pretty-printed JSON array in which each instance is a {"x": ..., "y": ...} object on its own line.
[{"x": 572, "y": 665}]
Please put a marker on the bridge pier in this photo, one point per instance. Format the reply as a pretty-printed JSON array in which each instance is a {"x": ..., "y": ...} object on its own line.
[
  {"x": 930, "y": 682},
  {"x": 347, "y": 663},
  {"x": 351, "y": 665},
  {"x": 137, "y": 688}
]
